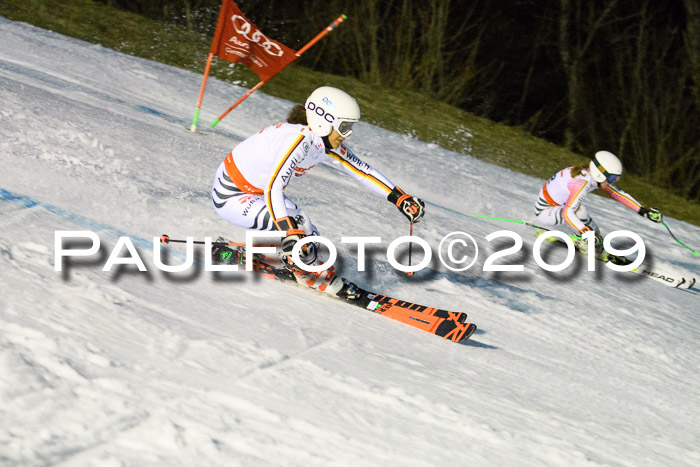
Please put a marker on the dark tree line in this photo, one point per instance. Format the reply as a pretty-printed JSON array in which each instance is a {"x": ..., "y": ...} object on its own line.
[{"x": 621, "y": 75}]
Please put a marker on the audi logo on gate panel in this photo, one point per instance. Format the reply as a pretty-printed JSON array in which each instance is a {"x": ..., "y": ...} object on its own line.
[{"x": 244, "y": 28}]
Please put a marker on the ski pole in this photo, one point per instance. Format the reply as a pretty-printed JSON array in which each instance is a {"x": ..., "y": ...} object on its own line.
[
  {"x": 696, "y": 253},
  {"x": 410, "y": 250},
  {"x": 166, "y": 239},
  {"x": 515, "y": 221}
]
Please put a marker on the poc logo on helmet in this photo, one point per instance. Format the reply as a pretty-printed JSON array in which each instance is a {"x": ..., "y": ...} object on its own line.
[{"x": 320, "y": 111}]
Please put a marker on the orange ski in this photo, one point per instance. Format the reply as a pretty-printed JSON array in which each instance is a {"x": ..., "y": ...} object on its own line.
[{"x": 447, "y": 324}]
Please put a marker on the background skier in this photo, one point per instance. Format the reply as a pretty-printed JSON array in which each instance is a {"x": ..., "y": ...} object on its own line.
[{"x": 560, "y": 200}]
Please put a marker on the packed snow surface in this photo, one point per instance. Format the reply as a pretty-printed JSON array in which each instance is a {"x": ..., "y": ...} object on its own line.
[{"x": 196, "y": 368}]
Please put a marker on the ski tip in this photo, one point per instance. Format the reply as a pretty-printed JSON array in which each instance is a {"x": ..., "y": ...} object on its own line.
[{"x": 471, "y": 328}]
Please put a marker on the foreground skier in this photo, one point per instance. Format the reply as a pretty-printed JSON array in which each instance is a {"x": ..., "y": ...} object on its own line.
[
  {"x": 560, "y": 200},
  {"x": 249, "y": 183}
]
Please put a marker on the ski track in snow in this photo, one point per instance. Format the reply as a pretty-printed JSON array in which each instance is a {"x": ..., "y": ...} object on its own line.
[{"x": 126, "y": 367}]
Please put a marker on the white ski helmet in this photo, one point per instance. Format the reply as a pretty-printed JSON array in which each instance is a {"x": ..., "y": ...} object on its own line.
[
  {"x": 605, "y": 166},
  {"x": 328, "y": 108}
]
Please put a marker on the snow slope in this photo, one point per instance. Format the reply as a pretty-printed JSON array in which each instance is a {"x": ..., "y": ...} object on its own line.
[{"x": 149, "y": 368}]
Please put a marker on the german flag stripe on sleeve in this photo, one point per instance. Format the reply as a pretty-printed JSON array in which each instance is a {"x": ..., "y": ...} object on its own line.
[
  {"x": 568, "y": 221},
  {"x": 359, "y": 172},
  {"x": 268, "y": 192},
  {"x": 631, "y": 202},
  {"x": 578, "y": 192},
  {"x": 568, "y": 209}
]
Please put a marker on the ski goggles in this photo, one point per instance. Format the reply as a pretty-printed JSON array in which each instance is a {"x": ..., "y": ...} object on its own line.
[
  {"x": 610, "y": 178},
  {"x": 344, "y": 129}
]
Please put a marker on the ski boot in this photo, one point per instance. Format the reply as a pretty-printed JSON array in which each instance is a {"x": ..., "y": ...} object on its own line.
[
  {"x": 600, "y": 253},
  {"x": 350, "y": 292},
  {"x": 325, "y": 281}
]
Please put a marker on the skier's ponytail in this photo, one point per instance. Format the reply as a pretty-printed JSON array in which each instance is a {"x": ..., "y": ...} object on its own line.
[
  {"x": 577, "y": 170},
  {"x": 297, "y": 115}
]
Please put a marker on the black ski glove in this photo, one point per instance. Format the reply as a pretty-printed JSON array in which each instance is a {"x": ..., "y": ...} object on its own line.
[
  {"x": 293, "y": 235},
  {"x": 652, "y": 214},
  {"x": 288, "y": 242},
  {"x": 410, "y": 206}
]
